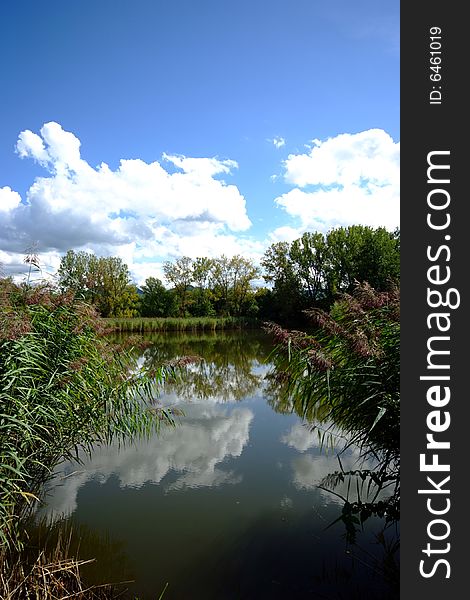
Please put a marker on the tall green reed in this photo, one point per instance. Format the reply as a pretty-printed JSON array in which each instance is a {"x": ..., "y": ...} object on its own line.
[
  {"x": 162, "y": 324},
  {"x": 347, "y": 372},
  {"x": 63, "y": 389}
]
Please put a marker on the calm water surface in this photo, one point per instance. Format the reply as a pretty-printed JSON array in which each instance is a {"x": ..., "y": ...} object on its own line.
[{"x": 226, "y": 505}]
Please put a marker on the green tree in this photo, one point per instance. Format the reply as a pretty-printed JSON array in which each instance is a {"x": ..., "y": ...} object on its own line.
[
  {"x": 359, "y": 254},
  {"x": 74, "y": 274},
  {"x": 309, "y": 256},
  {"x": 180, "y": 275},
  {"x": 263, "y": 298},
  {"x": 286, "y": 299},
  {"x": 243, "y": 273},
  {"x": 313, "y": 269},
  {"x": 202, "y": 296},
  {"x": 231, "y": 280},
  {"x": 116, "y": 296},
  {"x": 156, "y": 300},
  {"x": 104, "y": 282},
  {"x": 220, "y": 283}
]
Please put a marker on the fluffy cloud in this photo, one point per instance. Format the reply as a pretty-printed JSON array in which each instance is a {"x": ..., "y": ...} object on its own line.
[
  {"x": 345, "y": 180},
  {"x": 177, "y": 206},
  {"x": 9, "y": 200},
  {"x": 146, "y": 213},
  {"x": 285, "y": 234}
]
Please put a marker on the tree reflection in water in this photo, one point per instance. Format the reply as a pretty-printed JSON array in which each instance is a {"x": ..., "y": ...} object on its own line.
[{"x": 227, "y": 371}]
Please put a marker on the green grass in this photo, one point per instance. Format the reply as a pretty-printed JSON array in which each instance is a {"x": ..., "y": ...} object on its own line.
[{"x": 158, "y": 324}]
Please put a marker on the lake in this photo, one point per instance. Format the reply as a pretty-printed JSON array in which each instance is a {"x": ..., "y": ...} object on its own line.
[{"x": 225, "y": 505}]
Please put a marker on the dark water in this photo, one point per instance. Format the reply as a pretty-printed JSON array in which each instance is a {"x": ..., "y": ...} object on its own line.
[{"x": 226, "y": 505}]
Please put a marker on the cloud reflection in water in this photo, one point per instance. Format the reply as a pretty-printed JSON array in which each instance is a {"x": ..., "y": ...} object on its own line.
[{"x": 206, "y": 436}]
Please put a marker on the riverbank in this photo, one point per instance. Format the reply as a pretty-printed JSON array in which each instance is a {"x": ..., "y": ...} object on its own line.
[{"x": 157, "y": 324}]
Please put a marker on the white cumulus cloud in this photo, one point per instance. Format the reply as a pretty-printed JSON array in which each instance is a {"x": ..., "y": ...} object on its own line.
[
  {"x": 180, "y": 205},
  {"x": 345, "y": 180},
  {"x": 9, "y": 199},
  {"x": 285, "y": 234}
]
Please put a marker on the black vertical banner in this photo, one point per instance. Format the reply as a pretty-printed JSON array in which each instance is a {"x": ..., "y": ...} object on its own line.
[{"x": 435, "y": 402}]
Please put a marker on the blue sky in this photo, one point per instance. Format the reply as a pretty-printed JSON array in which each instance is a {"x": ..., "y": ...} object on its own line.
[{"x": 244, "y": 87}]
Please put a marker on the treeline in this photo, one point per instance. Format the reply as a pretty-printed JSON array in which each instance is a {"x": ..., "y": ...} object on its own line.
[
  {"x": 309, "y": 271},
  {"x": 313, "y": 270}
]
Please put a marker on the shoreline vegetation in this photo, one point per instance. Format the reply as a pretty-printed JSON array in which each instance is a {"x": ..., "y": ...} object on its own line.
[
  {"x": 306, "y": 273},
  {"x": 64, "y": 388},
  {"x": 45, "y": 571},
  {"x": 348, "y": 373},
  {"x": 162, "y": 324}
]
